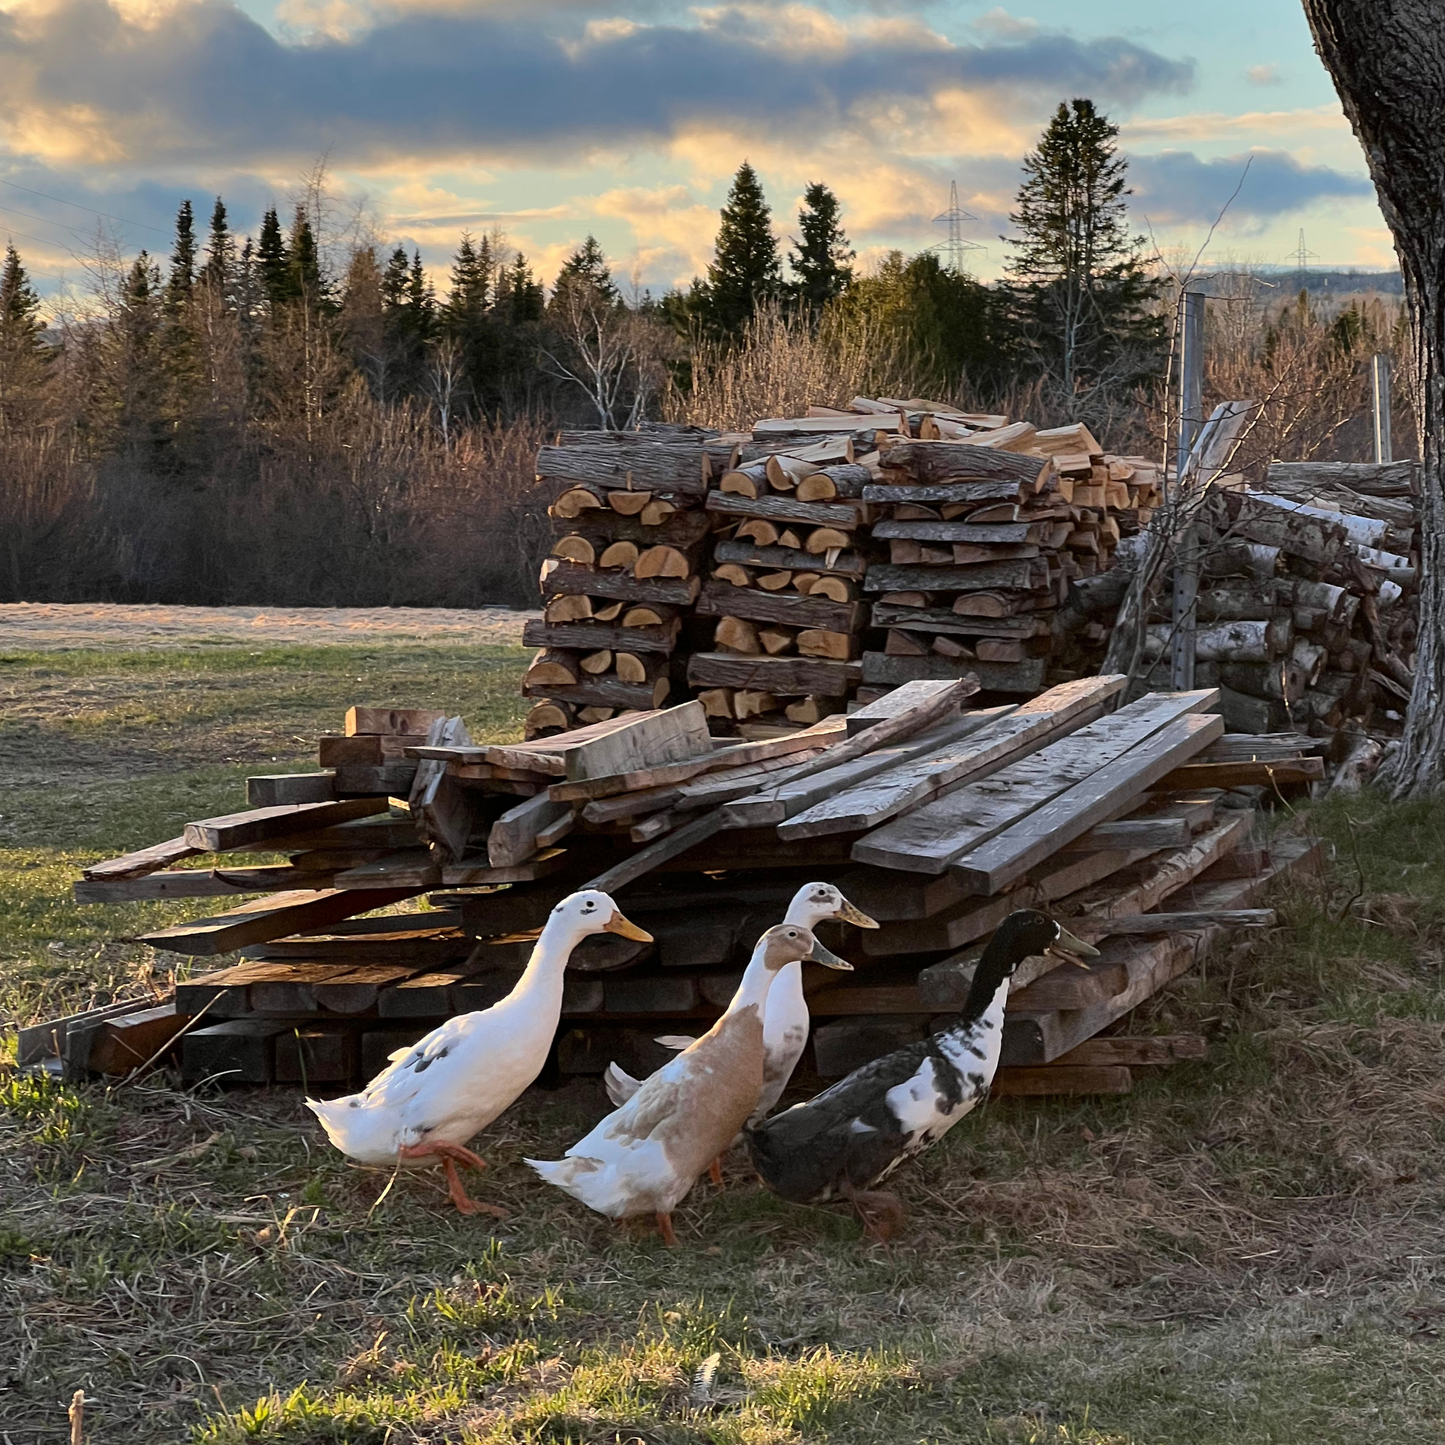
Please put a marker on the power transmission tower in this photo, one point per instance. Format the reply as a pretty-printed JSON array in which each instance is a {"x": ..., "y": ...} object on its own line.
[
  {"x": 955, "y": 249},
  {"x": 1302, "y": 256}
]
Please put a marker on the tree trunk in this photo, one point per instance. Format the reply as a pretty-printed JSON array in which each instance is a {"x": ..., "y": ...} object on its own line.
[{"x": 1387, "y": 58}]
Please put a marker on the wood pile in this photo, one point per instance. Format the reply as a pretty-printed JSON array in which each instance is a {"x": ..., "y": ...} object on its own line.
[
  {"x": 628, "y": 516},
  {"x": 1307, "y": 603},
  {"x": 936, "y": 817},
  {"x": 962, "y": 530}
]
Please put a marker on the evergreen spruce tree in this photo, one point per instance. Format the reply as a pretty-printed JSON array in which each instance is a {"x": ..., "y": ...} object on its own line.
[
  {"x": 395, "y": 280},
  {"x": 20, "y": 323},
  {"x": 272, "y": 263},
  {"x": 587, "y": 267},
  {"x": 471, "y": 289},
  {"x": 219, "y": 270},
  {"x": 821, "y": 261},
  {"x": 520, "y": 297},
  {"x": 421, "y": 299},
  {"x": 303, "y": 268},
  {"x": 23, "y": 355},
  {"x": 745, "y": 268},
  {"x": 183, "y": 261},
  {"x": 1084, "y": 302}
]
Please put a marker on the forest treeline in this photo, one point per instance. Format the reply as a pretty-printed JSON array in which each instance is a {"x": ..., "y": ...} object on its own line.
[{"x": 303, "y": 419}]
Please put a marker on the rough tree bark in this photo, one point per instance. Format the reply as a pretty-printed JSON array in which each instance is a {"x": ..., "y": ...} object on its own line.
[{"x": 1387, "y": 58}]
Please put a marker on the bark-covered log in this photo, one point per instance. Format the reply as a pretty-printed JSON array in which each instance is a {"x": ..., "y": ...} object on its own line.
[{"x": 942, "y": 461}]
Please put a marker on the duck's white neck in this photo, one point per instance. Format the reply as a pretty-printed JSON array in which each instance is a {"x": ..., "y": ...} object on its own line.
[
  {"x": 757, "y": 980},
  {"x": 544, "y": 972}
]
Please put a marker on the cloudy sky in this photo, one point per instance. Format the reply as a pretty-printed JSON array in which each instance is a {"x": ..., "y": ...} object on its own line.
[{"x": 552, "y": 118}]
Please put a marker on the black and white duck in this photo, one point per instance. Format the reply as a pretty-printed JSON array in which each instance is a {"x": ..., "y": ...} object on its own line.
[{"x": 852, "y": 1136}]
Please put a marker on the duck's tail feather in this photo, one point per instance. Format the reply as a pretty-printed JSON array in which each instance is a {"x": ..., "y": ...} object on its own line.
[
  {"x": 620, "y": 1085},
  {"x": 565, "y": 1173}
]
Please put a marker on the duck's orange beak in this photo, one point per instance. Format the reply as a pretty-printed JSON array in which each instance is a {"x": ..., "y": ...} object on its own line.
[{"x": 624, "y": 926}]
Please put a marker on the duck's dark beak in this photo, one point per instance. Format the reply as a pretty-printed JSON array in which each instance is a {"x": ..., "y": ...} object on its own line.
[
  {"x": 828, "y": 958},
  {"x": 624, "y": 926},
  {"x": 849, "y": 914},
  {"x": 1067, "y": 946}
]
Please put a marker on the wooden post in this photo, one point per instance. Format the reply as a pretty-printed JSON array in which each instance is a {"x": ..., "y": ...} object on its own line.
[
  {"x": 1380, "y": 397},
  {"x": 1186, "y": 563}
]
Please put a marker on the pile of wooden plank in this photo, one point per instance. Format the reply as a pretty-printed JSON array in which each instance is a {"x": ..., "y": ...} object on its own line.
[
  {"x": 630, "y": 526},
  {"x": 1307, "y": 600},
  {"x": 935, "y": 816}
]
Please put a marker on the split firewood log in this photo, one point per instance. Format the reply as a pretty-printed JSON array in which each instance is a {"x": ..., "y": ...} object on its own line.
[
  {"x": 619, "y": 554},
  {"x": 545, "y": 719},
  {"x": 570, "y": 607},
  {"x": 660, "y": 689},
  {"x": 628, "y": 503},
  {"x": 817, "y": 642},
  {"x": 904, "y": 644},
  {"x": 803, "y": 581},
  {"x": 839, "y": 589},
  {"x": 774, "y": 581},
  {"x": 820, "y": 487},
  {"x": 641, "y": 617},
  {"x": 548, "y": 670},
  {"x": 575, "y": 549},
  {"x": 775, "y": 640},
  {"x": 733, "y": 573},
  {"x": 784, "y": 473},
  {"x": 739, "y": 484},
  {"x": 789, "y": 538},
  {"x": 574, "y": 503},
  {"x": 824, "y": 539},
  {"x": 747, "y": 703},
  {"x": 810, "y": 710},
  {"x": 916, "y": 512},
  {"x": 953, "y": 649},
  {"x": 662, "y": 562},
  {"x": 758, "y": 530},
  {"x": 717, "y": 701},
  {"x": 630, "y": 667},
  {"x": 654, "y": 514},
  {"x": 1000, "y": 649},
  {"x": 595, "y": 714},
  {"x": 597, "y": 662},
  {"x": 610, "y": 613},
  {"x": 736, "y": 635}
]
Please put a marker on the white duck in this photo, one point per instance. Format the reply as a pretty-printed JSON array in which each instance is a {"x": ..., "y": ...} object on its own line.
[
  {"x": 785, "y": 1022},
  {"x": 434, "y": 1096},
  {"x": 645, "y": 1157}
]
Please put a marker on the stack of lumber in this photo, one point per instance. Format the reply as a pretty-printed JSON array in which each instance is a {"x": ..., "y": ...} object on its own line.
[
  {"x": 628, "y": 517},
  {"x": 785, "y": 587},
  {"x": 1308, "y": 604},
  {"x": 936, "y": 816},
  {"x": 985, "y": 536}
]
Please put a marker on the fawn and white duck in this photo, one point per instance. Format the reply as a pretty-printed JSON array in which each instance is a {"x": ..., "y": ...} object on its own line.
[
  {"x": 856, "y": 1133},
  {"x": 433, "y": 1097},
  {"x": 785, "y": 1020},
  {"x": 645, "y": 1156}
]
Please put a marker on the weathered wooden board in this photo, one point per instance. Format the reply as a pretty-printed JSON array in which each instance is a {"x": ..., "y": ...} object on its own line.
[
  {"x": 1009, "y": 854},
  {"x": 927, "y": 839},
  {"x": 273, "y": 917},
  {"x": 775, "y": 803},
  {"x": 202, "y": 883},
  {"x": 668, "y": 736},
  {"x": 512, "y": 838},
  {"x": 629, "y": 870},
  {"x": 1030, "y": 574},
  {"x": 882, "y": 670},
  {"x": 932, "y": 774},
  {"x": 786, "y": 509},
  {"x": 258, "y": 825},
  {"x": 940, "y": 619},
  {"x": 1291, "y": 772},
  {"x": 793, "y": 559},
  {"x": 143, "y": 861},
  {"x": 1071, "y": 1079},
  {"x": 270, "y": 790},
  {"x": 549, "y": 755},
  {"x": 572, "y": 578},
  {"x": 789, "y": 609},
  {"x": 782, "y": 676},
  {"x": 983, "y": 534}
]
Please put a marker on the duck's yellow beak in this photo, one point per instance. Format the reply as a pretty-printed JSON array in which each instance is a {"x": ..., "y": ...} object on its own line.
[
  {"x": 849, "y": 914},
  {"x": 624, "y": 926},
  {"x": 828, "y": 958},
  {"x": 1067, "y": 946}
]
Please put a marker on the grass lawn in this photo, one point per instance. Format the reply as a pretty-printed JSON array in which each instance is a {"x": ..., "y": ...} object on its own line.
[{"x": 1243, "y": 1251}]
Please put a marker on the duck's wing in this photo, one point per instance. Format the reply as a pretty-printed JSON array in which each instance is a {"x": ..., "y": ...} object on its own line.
[
  {"x": 848, "y": 1130},
  {"x": 427, "y": 1067}
]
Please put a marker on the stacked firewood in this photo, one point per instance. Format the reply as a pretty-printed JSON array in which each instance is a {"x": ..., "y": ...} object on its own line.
[
  {"x": 984, "y": 540},
  {"x": 1307, "y": 602},
  {"x": 785, "y": 585},
  {"x": 627, "y": 514}
]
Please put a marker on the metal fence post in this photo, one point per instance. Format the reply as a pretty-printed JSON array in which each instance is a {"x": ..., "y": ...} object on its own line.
[
  {"x": 1380, "y": 397},
  {"x": 1191, "y": 420}
]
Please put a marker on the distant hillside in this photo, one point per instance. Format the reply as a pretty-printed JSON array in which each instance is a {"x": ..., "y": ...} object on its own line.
[{"x": 1319, "y": 281}]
